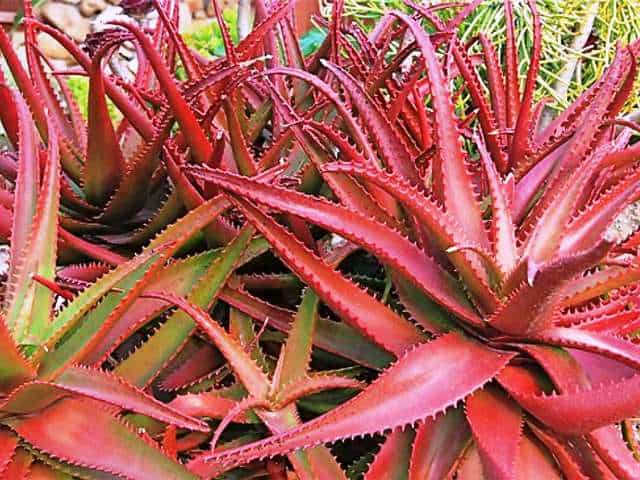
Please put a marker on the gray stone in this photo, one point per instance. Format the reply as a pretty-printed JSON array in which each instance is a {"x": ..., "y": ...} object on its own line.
[
  {"x": 89, "y": 8},
  {"x": 66, "y": 18}
]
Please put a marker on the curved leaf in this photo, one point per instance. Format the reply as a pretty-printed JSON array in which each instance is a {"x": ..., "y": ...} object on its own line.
[
  {"x": 424, "y": 382},
  {"x": 121, "y": 451}
]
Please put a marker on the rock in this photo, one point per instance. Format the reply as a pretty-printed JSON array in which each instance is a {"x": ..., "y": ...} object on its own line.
[
  {"x": 52, "y": 49},
  {"x": 102, "y": 20},
  {"x": 199, "y": 24},
  {"x": 89, "y": 8},
  {"x": 4, "y": 259},
  {"x": 66, "y": 18},
  {"x": 626, "y": 224},
  {"x": 195, "y": 5}
]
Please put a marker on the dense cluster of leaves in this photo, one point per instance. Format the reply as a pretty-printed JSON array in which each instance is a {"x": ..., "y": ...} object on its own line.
[
  {"x": 575, "y": 30},
  {"x": 282, "y": 252}
]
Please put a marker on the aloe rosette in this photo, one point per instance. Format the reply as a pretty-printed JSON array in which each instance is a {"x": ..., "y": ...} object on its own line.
[
  {"x": 516, "y": 355},
  {"x": 447, "y": 282}
]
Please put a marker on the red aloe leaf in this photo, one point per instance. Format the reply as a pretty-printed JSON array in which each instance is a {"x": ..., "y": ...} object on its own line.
[
  {"x": 76, "y": 118},
  {"x": 212, "y": 404},
  {"x": 470, "y": 467},
  {"x": 131, "y": 191},
  {"x": 564, "y": 455},
  {"x": 530, "y": 308},
  {"x": 544, "y": 240},
  {"x": 334, "y": 337},
  {"x": 194, "y": 363},
  {"x": 135, "y": 116},
  {"x": 8, "y": 445},
  {"x": 418, "y": 386},
  {"x": 305, "y": 386},
  {"x": 270, "y": 40},
  {"x": 591, "y": 407},
  {"x": 23, "y": 82},
  {"x": 384, "y": 137},
  {"x": 591, "y": 462},
  {"x": 29, "y": 303},
  {"x": 451, "y": 180},
  {"x": 9, "y": 114},
  {"x": 535, "y": 462},
  {"x": 98, "y": 385},
  {"x": 512, "y": 83},
  {"x": 20, "y": 466},
  {"x": 60, "y": 468},
  {"x": 122, "y": 452},
  {"x": 69, "y": 317},
  {"x": 446, "y": 233},
  {"x": 78, "y": 344},
  {"x": 191, "y": 66},
  {"x": 487, "y": 119},
  {"x": 485, "y": 409},
  {"x": 229, "y": 48},
  {"x": 242, "y": 328},
  {"x": 46, "y": 94},
  {"x": 6, "y": 217},
  {"x": 599, "y": 283},
  {"x": 178, "y": 277},
  {"x": 502, "y": 225},
  {"x": 390, "y": 246},
  {"x": 581, "y": 411},
  {"x": 219, "y": 232},
  {"x": 520, "y": 145},
  {"x": 349, "y": 192},
  {"x": 610, "y": 346},
  {"x": 25, "y": 195},
  {"x": 193, "y": 133},
  {"x": 495, "y": 80},
  {"x": 350, "y": 302},
  {"x": 295, "y": 356},
  {"x": 241, "y": 151},
  {"x": 105, "y": 161},
  {"x": 146, "y": 362},
  {"x": 424, "y": 311},
  {"x": 622, "y": 95},
  {"x": 246, "y": 48},
  {"x": 240, "y": 361},
  {"x": 392, "y": 460},
  {"x": 610, "y": 446},
  {"x": 345, "y": 113},
  {"x": 110, "y": 388},
  {"x": 594, "y": 221},
  {"x": 241, "y": 406},
  {"x": 439, "y": 443},
  {"x": 569, "y": 377},
  {"x": 82, "y": 274},
  {"x": 167, "y": 213}
]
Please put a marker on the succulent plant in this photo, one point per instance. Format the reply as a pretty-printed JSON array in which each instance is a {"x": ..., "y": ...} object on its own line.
[
  {"x": 288, "y": 252},
  {"x": 56, "y": 406},
  {"x": 517, "y": 354}
]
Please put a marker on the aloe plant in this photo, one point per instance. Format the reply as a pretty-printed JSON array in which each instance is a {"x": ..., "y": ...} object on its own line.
[
  {"x": 352, "y": 273},
  {"x": 496, "y": 237},
  {"x": 579, "y": 39}
]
